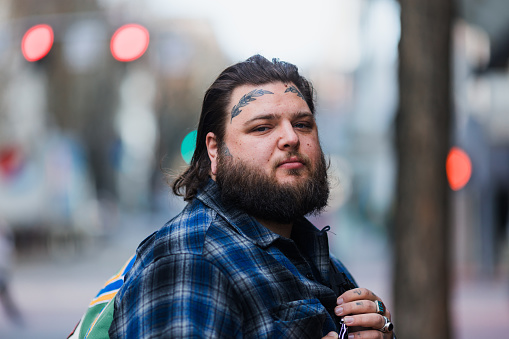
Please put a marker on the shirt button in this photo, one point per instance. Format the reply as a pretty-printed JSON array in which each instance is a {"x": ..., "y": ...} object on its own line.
[{"x": 310, "y": 276}]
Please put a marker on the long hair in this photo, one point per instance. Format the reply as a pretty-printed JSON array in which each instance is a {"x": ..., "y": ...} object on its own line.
[{"x": 256, "y": 70}]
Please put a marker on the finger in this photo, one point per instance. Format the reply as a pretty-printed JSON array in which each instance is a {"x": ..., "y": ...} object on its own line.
[
  {"x": 370, "y": 334},
  {"x": 331, "y": 334},
  {"x": 356, "y": 307},
  {"x": 370, "y": 320},
  {"x": 357, "y": 294}
]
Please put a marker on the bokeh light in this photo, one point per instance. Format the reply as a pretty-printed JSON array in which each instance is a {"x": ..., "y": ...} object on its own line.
[
  {"x": 188, "y": 146},
  {"x": 129, "y": 42},
  {"x": 37, "y": 42},
  {"x": 10, "y": 160},
  {"x": 459, "y": 168}
]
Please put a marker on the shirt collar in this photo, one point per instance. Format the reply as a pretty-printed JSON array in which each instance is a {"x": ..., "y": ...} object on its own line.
[
  {"x": 243, "y": 223},
  {"x": 248, "y": 226}
]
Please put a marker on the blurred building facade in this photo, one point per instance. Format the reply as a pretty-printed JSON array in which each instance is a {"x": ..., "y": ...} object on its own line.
[
  {"x": 481, "y": 83},
  {"x": 84, "y": 136}
]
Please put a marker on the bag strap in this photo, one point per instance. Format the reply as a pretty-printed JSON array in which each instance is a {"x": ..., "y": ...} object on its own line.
[
  {"x": 339, "y": 280},
  {"x": 340, "y": 284}
]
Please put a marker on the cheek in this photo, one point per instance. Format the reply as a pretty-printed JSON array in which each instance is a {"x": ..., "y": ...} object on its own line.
[
  {"x": 256, "y": 151},
  {"x": 312, "y": 149}
]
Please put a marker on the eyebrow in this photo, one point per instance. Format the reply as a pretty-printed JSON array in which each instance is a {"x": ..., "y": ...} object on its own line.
[{"x": 273, "y": 116}]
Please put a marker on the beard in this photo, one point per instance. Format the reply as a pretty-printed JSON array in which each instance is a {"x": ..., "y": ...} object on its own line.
[{"x": 262, "y": 196}]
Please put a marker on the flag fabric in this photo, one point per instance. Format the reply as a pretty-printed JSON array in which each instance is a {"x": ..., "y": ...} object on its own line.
[{"x": 97, "y": 319}]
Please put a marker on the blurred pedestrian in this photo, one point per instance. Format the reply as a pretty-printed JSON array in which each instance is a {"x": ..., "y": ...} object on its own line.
[{"x": 6, "y": 260}]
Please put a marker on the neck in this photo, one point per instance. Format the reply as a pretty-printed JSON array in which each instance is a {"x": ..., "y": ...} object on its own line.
[{"x": 284, "y": 230}]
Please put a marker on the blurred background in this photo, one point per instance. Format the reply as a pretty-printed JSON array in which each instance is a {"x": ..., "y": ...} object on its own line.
[{"x": 99, "y": 98}]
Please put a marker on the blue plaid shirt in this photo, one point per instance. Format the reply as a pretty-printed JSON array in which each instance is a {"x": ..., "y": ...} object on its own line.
[{"x": 215, "y": 272}]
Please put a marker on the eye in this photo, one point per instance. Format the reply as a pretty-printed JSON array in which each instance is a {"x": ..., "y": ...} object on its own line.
[
  {"x": 303, "y": 125},
  {"x": 261, "y": 129}
]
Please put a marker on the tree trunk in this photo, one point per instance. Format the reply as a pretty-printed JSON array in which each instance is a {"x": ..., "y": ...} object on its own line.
[{"x": 421, "y": 275}]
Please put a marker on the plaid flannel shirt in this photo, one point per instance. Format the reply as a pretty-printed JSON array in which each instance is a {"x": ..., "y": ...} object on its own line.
[{"x": 215, "y": 272}]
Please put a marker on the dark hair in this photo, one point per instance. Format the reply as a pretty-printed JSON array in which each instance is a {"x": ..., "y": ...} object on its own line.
[{"x": 256, "y": 70}]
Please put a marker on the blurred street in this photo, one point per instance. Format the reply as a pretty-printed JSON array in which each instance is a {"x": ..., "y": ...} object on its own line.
[{"x": 53, "y": 292}]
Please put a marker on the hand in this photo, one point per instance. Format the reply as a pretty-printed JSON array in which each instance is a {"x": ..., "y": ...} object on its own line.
[
  {"x": 358, "y": 308},
  {"x": 331, "y": 335}
]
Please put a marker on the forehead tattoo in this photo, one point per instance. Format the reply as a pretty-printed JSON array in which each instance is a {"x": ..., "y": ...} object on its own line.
[
  {"x": 293, "y": 89},
  {"x": 246, "y": 99}
]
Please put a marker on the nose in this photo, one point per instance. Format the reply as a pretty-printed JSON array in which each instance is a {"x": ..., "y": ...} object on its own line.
[{"x": 288, "y": 138}]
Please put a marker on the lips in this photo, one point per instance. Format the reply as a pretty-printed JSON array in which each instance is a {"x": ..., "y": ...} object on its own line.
[{"x": 293, "y": 162}]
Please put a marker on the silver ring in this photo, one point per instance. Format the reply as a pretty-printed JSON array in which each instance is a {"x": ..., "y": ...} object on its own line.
[
  {"x": 387, "y": 327},
  {"x": 380, "y": 307}
]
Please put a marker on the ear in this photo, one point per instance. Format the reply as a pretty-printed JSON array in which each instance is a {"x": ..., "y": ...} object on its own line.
[{"x": 211, "y": 142}]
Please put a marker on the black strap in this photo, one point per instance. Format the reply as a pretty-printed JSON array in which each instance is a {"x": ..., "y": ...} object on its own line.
[{"x": 339, "y": 281}]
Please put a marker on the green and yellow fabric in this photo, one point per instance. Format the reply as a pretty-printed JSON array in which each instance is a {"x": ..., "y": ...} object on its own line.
[{"x": 96, "y": 321}]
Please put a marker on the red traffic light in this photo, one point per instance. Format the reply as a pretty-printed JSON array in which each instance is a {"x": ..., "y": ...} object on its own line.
[
  {"x": 458, "y": 168},
  {"x": 37, "y": 42},
  {"x": 129, "y": 42}
]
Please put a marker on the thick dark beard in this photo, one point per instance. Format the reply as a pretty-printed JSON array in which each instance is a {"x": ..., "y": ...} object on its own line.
[{"x": 263, "y": 197}]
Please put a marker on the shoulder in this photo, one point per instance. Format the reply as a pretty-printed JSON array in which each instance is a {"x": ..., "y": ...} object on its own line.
[
  {"x": 185, "y": 233},
  {"x": 193, "y": 233}
]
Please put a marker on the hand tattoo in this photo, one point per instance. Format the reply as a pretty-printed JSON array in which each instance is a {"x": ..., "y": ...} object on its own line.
[{"x": 246, "y": 99}]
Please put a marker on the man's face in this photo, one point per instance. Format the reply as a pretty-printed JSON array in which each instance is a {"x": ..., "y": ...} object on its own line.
[
  {"x": 270, "y": 163},
  {"x": 271, "y": 129}
]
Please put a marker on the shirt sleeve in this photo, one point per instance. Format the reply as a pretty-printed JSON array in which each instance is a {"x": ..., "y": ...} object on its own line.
[{"x": 177, "y": 296}]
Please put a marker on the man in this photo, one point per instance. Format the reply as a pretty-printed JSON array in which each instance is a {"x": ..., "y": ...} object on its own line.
[{"x": 241, "y": 260}]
